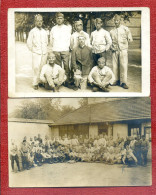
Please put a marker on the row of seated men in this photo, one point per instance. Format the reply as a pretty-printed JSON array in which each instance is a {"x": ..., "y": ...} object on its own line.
[{"x": 35, "y": 152}]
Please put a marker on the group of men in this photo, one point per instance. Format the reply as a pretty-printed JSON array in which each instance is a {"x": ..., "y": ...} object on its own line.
[
  {"x": 77, "y": 57},
  {"x": 102, "y": 148}
]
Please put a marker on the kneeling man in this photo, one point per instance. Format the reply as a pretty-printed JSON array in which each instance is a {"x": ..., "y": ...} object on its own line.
[
  {"x": 52, "y": 75},
  {"x": 101, "y": 76}
]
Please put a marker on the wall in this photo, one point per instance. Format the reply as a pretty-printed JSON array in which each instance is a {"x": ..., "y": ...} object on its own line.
[
  {"x": 121, "y": 129},
  {"x": 17, "y": 130},
  {"x": 93, "y": 130}
]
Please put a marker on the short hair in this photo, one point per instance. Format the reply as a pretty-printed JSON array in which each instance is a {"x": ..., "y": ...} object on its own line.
[
  {"x": 50, "y": 53},
  {"x": 78, "y": 22},
  {"x": 59, "y": 15},
  {"x": 38, "y": 16},
  {"x": 102, "y": 59},
  {"x": 118, "y": 17},
  {"x": 98, "y": 20}
]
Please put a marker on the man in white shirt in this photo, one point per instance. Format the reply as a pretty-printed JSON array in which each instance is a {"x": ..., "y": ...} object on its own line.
[
  {"x": 101, "y": 76},
  {"x": 52, "y": 75},
  {"x": 60, "y": 42},
  {"x": 100, "y": 41},
  {"x": 37, "y": 43},
  {"x": 79, "y": 32}
]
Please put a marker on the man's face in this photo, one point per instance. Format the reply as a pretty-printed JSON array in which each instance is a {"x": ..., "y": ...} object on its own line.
[
  {"x": 101, "y": 63},
  {"x": 117, "y": 22},
  {"x": 81, "y": 41},
  {"x": 39, "y": 22},
  {"x": 51, "y": 58},
  {"x": 79, "y": 27},
  {"x": 98, "y": 25},
  {"x": 59, "y": 20}
]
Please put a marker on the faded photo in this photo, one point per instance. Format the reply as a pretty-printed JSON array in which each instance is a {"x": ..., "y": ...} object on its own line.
[
  {"x": 84, "y": 50},
  {"x": 78, "y": 142}
]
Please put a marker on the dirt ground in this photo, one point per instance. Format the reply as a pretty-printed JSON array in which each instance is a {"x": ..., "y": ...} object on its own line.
[
  {"x": 81, "y": 174},
  {"x": 24, "y": 72}
]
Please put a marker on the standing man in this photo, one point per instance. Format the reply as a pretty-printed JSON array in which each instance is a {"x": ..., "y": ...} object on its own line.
[
  {"x": 82, "y": 62},
  {"x": 37, "y": 43},
  {"x": 121, "y": 36},
  {"x": 144, "y": 150},
  {"x": 14, "y": 155},
  {"x": 79, "y": 31},
  {"x": 60, "y": 42},
  {"x": 100, "y": 40}
]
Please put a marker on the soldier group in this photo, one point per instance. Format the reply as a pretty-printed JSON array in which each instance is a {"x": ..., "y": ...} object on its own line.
[
  {"x": 77, "y": 58},
  {"x": 102, "y": 148}
]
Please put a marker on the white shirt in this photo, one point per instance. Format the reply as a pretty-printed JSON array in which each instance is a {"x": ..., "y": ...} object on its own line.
[
  {"x": 74, "y": 39},
  {"x": 101, "y": 40},
  {"x": 53, "y": 71},
  {"x": 60, "y": 38},
  {"x": 101, "y": 72},
  {"x": 37, "y": 41}
]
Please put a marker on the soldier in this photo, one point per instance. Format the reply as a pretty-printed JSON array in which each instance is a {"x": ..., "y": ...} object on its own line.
[
  {"x": 82, "y": 62},
  {"x": 137, "y": 149},
  {"x": 60, "y": 42},
  {"x": 14, "y": 155},
  {"x": 100, "y": 40},
  {"x": 121, "y": 36},
  {"x": 24, "y": 153},
  {"x": 144, "y": 150},
  {"x": 37, "y": 43},
  {"x": 52, "y": 75}
]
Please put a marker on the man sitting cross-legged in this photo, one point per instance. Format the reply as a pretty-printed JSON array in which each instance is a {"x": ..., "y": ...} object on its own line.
[
  {"x": 101, "y": 76},
  {"x": 52, "y": 75}
]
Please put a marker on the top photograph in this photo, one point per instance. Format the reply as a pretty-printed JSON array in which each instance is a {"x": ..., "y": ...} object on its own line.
[{"x": 78, "y": 52}]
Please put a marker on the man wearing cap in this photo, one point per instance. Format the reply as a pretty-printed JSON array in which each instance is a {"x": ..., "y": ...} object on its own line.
[
  {"x": 121, "y": 36},
  {"x": 100, "y": 41},
  {"x": 81, "y": 61},
  {"x": 52, "y": 75},
  {"x": 79, "y": 31},
  {"x": 144, "y": 150},
  {"x": 37, "y": 43},
  {"x": 60, "y": 42}
]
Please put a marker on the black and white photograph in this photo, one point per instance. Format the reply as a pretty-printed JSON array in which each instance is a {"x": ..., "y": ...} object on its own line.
[
  {"x": 78, "y": 52},
  {"x": 79, "y": 142}
]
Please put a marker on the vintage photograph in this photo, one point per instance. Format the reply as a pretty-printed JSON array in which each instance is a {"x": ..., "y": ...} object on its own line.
[
  {"x": 78, "y": 52},
  {"x": 78, "y": 142}
]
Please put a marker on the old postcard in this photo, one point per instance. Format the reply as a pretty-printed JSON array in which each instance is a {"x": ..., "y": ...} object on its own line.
[
  {"x": 78, "y": 142},
  {"x": 78, "y": 52}
]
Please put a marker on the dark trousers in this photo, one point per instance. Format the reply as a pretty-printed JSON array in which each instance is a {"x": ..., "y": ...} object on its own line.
[
  {"x": 99, "y": 55},
  {"x": 144, "y": 156},
  {"x": 14, "y": 159},
  {"x": 138, "y": 156},
  {"x": 25, "y": 161}
]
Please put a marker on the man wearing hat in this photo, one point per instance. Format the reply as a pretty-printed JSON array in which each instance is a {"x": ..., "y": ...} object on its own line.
[
  {"x": 79, "y": 31},
  {"x": 37, "y": 43},
  {"x": 121, "y": 36},
  {"x": 82, "y": 63},
  {"x": 60, "y": 42},
  {"x": 100, "y": 40}
]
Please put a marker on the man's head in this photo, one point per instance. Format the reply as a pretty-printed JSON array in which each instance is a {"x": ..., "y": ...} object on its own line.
[
  {"x": 81, "y": 40},
  {"x": 38, "y": 21},
  {"x": 59, "y": 18},
  {"x": 78, "y": 25},
  {"x": 101, "y": 62},
  {"x": 98, "y": 23},
  {"x": 117, "y": 20},
  {"x": 51, "y": 58}
]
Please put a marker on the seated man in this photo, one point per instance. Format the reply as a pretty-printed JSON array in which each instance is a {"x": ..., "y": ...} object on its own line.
[
  {"x": 101, "y": 76},
  {"x": 52, "y": 75},
  {"x": 82, "y": 62}
]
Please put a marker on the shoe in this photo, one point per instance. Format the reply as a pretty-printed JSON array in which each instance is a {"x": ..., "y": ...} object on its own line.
[
  {"x": 41, "y": 85},
  {"x": 105, "y": 90},
  {"x": 116, "y": 83},
  {"x": 95, "y": 89},
  {"x": 35, "y": 87},
  {"x": 123, "y": 85}
]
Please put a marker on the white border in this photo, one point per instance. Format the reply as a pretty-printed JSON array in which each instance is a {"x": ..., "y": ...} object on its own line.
[{"x": 145, "y": 54}]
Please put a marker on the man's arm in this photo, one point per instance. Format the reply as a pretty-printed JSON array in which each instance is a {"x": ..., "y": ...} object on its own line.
[
  {"x": 129, "y": 35},
  {"x": 51, "y": 37},
  {"x": 30, "y": 41},
  {"x": 73, "y": 60},
  {"x": 108, "y": 41}
]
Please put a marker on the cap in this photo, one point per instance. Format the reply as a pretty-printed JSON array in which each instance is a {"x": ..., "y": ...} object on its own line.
[{"x": 59, "y": 15}]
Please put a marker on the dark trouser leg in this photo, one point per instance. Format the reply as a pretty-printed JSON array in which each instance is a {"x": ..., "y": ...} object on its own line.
[
  {"x": 144, "y": 155},
  {"x": 17, "y": 162},
  {"x": 65, "y": 58},
  {"x": 12, "y": 158},
  {"x": 95, "y": 58}
]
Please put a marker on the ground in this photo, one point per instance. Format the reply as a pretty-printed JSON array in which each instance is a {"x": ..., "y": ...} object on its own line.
[
  {"x": 24, "y": 72},
  {"x": 81, "y": 174}
]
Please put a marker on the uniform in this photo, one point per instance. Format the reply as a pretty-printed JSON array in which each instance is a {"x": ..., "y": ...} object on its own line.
[
  {"x": 14, "y": 156},
  {"x": 121, "y": 36},
  {"x": 37, "y": 43},
  {"x": 144, "y": 151}
]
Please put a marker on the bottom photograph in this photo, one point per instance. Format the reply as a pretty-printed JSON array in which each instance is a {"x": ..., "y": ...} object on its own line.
[{"x": 79, "y": 142}]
